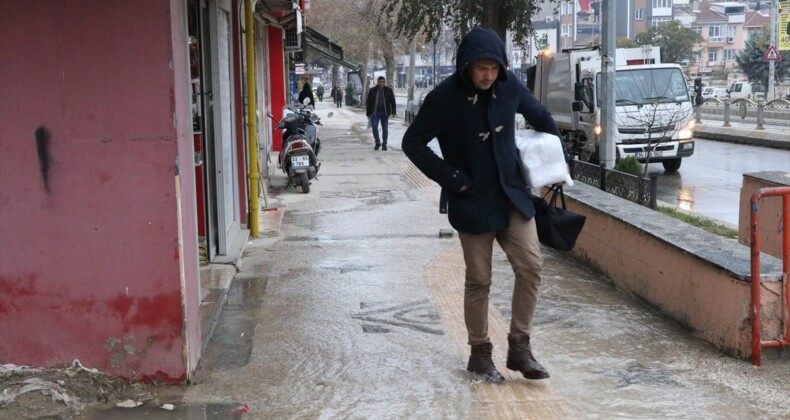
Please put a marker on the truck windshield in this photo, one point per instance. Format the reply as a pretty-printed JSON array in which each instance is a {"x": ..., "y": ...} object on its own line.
[{"x": 647, "y": 86}]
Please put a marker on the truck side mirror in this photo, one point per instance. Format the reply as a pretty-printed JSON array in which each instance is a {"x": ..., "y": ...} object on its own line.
[{"x": 578, "y": 91}]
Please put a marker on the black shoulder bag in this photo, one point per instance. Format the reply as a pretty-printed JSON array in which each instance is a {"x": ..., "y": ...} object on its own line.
[{"x": 558, "y": 227}]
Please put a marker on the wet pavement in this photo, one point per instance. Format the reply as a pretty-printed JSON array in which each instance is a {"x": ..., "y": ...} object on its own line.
[{"x": 350, "y": 306}]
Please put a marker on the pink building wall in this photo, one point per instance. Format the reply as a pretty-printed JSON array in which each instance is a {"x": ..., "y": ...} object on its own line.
[{"x": 89, "y": 246}]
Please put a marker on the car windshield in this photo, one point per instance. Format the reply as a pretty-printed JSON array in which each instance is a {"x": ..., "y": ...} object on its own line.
[{"x": 647, "y": 86}]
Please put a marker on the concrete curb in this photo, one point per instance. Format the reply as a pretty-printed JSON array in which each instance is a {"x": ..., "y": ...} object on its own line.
[{"x": 762, "y": 138}]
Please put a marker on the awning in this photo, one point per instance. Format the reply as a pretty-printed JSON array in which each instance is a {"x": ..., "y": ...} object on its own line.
[
  {"x": 274, "y": 6},
  {"x": 277, "y": 12},
  {"x": 315, "y": 42}
]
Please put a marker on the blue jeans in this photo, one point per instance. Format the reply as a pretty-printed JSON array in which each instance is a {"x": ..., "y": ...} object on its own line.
[{"x": 374, "y": 123}]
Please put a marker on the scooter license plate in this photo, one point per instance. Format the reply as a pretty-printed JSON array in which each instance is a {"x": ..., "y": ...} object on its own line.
[{"x": 300, "y": 161}]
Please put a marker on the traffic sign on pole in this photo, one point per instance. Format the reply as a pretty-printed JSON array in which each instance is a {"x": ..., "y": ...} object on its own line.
[{"x": 772, "y": 54}]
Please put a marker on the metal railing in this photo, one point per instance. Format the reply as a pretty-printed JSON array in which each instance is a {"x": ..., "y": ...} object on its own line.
[
  {"x": 634, "y": 188},
  {"x": 759, "y": 113},
  {"x": 757, "y": 342}
]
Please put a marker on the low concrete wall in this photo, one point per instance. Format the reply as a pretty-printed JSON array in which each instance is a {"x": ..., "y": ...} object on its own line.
[
  {"x": 700, "y": 279},
  {"x": 771, "y": 228}
]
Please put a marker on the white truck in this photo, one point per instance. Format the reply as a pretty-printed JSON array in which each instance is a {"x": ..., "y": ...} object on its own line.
[{"x": 653, "y": 110}]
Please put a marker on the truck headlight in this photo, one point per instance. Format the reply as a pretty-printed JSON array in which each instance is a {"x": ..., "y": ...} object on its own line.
[
  {"x": 687, "y": 132},
  {"x": 597, "y": 130}
]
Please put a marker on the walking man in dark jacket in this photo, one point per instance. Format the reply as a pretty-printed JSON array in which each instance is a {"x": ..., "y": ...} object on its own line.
[
  {"x": 379, "y": 105},
  {"x": 472, "y": 114}
]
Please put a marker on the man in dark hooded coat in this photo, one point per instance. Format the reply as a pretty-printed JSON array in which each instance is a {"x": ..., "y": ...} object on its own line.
[
  {"x": 472, "y": 114},
  {"x": 306, "y": 92}
]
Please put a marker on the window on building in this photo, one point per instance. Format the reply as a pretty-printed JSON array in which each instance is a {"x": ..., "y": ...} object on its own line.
[
  {"x": 731, "y": 30},
  {"x": 697, "y": 29},
  {"x": 657, "y": 21},
  {"x": 662, "y": 4},
  {"x": 716, "y": 33},
  {"x": 567, "y": 30},
  {"x": 566, "y": 8},
  {"x": 713, "y": 56},
  {"x": 639, "y": 14},
  {"x": 730, "y": 54},
  {"x": 697, "y": 56}
]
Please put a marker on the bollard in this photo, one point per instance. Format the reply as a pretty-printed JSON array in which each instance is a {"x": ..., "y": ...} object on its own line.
[
  {"x": 726, "y": 113},
  {"x": 760, "y": 109}
]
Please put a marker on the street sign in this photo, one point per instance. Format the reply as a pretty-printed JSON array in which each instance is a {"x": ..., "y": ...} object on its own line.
[{"x": 772, "y": 54}]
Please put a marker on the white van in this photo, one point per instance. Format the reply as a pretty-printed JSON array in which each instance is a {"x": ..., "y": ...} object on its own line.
[{"x": 740, "y": 90}]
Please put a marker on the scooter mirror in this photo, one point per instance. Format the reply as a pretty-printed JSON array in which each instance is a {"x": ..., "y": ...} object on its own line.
[
  {"x": 306, "y": 101},
  {"x": 329, "y": 115},
  {"x": 269, "y": 114}
]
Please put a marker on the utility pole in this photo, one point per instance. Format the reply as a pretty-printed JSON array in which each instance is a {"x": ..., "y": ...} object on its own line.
[
  {"x": 769, "y": 95},
  {"x": 410, "y": 76},
  {"x": 607, "y": 153},
  {"x": 575, "y": 4},
  {"x": 433, "y": 76}
]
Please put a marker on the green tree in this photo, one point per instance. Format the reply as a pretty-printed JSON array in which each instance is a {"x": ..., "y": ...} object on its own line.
[
  {"x": 751, "y": 62},
  {"x": 676, "y": 41},
  {"x": 462, "y": 15},
  {"x": 625, "y": 43}
]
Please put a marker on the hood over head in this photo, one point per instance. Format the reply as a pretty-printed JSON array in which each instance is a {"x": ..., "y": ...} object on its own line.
[{"x": 481, "y": 43}]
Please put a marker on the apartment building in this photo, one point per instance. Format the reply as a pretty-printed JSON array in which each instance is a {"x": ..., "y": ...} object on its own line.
[{"x": 725, "y": 28}]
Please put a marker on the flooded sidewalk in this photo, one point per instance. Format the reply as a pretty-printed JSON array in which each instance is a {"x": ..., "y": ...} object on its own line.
[{"x": 350, "y": 306}]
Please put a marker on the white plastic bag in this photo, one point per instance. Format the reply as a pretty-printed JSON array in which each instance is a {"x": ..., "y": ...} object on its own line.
[{"x": 542, "y": 159}]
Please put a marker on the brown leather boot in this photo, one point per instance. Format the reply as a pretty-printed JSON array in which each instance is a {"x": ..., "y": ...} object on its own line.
[
  {"x": 480, "y": 363},
  {"x": 520, "y": 358}
]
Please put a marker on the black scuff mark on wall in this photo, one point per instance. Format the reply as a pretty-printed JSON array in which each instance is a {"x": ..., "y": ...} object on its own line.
[{"x": 42, "y": 145}]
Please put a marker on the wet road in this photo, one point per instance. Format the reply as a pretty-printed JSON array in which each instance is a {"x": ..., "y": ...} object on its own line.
[{"x": 709, "y": 182}]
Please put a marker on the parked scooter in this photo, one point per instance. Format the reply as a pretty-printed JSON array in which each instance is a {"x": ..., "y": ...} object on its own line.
[{"x": 299, "y": 157}]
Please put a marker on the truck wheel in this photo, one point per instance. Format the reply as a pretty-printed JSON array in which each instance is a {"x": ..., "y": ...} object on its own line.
[
  {"x": 671, "y": 165},
  {"x": 305, "y": 182}
]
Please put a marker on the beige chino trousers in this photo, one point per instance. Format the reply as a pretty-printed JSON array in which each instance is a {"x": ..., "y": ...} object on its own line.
[{"x": 521, "y": 245}]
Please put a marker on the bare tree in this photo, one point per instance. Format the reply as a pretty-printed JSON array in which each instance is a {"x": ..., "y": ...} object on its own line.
[{"x": 360, "y": 27}]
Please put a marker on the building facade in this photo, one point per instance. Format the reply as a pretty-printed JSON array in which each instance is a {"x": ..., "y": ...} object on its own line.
[{"x": 125, "y": 163}]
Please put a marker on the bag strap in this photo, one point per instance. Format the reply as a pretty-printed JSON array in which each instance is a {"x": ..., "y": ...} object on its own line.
[{"x": 556, "y": 192}]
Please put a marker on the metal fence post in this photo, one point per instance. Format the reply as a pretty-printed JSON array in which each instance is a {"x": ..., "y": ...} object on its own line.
[
  {"x": 653, "y": 191},
  {"x": 760, "y": 109},
  {"x": 698, "y": 111},
  {"x": 603, "y": 176},
  {"x": 726, "y": 113}
]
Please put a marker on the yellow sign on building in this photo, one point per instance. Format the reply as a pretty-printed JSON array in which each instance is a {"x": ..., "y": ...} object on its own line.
[{"x": 784, "y": 26}]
